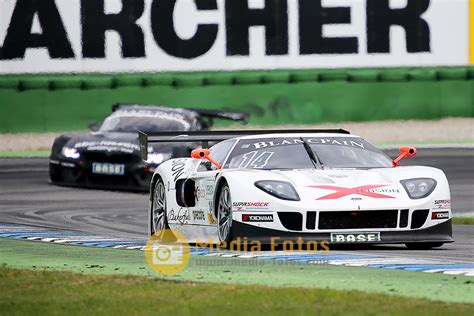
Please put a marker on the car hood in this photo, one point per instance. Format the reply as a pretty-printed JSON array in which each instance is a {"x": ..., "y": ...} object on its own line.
[
  {"x": 347, "y": 184},
  {"x": 343, "y": 188},
  {"x": 339, "y": 183}
]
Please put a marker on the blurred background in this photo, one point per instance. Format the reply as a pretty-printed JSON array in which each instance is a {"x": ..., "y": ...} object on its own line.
[{"x": 64, "y": 63}]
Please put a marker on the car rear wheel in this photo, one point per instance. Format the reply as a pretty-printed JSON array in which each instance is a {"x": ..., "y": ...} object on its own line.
[
  {"x": 423, "y": 245},
  {"x": 224, "y": 214},
  {"x": 158, "y": 208}
]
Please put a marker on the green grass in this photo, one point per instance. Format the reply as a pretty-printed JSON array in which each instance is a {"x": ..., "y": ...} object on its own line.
[
  {"x": 463, "y": 220},
  {"x": 25, "y": 153},
  {"x": 52, "y": 293},
  {"x": 242, "y": 272}
]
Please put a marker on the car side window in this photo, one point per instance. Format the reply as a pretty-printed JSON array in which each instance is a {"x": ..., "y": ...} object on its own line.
[{"x": 218, "y": 152}]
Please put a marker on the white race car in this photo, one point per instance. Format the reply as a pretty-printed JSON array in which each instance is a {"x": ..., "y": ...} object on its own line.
[{"x": 319, "y": 185}]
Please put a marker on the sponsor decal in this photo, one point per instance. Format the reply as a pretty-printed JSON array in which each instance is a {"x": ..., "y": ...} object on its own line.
[
  {"x": 198, "y": 215},
  {"x": 263, "y": 218},
  {"x": 214, "y": 35},
  {"x": 199, "y": 193},
  {"x": 323, "y": 141},
  {"x": 337, "y": 176},
  {"x": 211, "y": 219},
  {"x": 209, "y": 189},
  {"x": 108, "y": 169},
  {"x": 108, "y": 146},
  {"x": 442, "y": 204},
  {"x": 355, "y": 237},
  {"x": 373, "y": 190},
  {"x": 440, "y": 215},
  {"x": 181, "y": 216},
  {"x": 250, "y": 205},
  {"x": 177, "y": 168}
]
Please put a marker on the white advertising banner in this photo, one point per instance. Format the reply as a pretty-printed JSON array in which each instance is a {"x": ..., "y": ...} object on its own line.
[{"x": 76, "y": 36}]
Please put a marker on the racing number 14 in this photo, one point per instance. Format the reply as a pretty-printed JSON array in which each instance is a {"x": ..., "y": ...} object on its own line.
[{"x": 259, "y": 162}]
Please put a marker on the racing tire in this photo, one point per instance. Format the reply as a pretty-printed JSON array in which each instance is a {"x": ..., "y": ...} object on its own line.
[
  {"x": 423, "y": 245},
  {"x": 224, "y": 215},
  {"x": 158, "y": 218}
]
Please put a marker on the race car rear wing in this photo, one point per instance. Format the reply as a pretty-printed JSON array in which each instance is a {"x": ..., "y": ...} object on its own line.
[
  {"x": 214, "y": 136},
  {"x": 225, "y": 115}
]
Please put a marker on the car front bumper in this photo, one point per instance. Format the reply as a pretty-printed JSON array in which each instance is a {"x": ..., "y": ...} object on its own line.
[
  {"x": 137, "y": 177},
  {"x": 440, "y": 233}
]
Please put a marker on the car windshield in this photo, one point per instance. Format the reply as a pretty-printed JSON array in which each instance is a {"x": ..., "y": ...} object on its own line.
[
  {"x": 290, "y": 153},
  {"x": 148, "y": 124}
]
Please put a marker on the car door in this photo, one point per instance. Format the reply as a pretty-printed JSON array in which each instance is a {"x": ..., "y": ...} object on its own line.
[{"x": 204, "y": 178}]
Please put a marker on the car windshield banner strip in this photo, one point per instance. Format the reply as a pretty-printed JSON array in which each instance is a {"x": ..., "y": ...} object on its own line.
[
  {"x": 215, "y": 136},
  {"x": 226, "y": 115}
]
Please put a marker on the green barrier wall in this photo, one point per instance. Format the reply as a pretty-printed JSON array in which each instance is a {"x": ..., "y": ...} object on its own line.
[{"x": 38, "y": 103}]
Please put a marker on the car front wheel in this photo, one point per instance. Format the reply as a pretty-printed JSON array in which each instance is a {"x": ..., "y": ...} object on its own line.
[
  {"x": 158, "y": 208},
  {"x": 224, "y": 214}
]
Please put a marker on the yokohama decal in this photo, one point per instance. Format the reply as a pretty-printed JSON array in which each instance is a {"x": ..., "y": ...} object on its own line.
[
  {"x": 257, "y": 218},
  {"x": 365, "y": 190}
]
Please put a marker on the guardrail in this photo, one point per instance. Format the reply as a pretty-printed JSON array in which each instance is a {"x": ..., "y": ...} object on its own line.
[{"x": 33, "y": 103}]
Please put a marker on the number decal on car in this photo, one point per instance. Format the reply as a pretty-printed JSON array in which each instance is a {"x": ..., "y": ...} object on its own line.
[{"x": 251, "y": 159}]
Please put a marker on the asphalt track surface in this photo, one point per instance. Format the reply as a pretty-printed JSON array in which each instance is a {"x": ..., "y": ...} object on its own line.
[{"x": 26, "y": 197}]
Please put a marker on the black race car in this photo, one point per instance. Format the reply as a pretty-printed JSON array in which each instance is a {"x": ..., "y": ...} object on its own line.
[{"x": 109, "y": 156}]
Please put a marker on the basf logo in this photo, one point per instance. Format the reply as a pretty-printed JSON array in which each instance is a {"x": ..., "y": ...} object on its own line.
[{"x": 193, "y": 35}]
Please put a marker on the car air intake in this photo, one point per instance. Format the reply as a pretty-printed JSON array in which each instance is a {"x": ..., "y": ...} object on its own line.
[
  {"x": 291, "y": 220},
  {"x": 403, "y": 218},
  {"x": 98, "y": 156},
  {"x": 311, "y": 220},
  {"x": 358, "y": 219},
  {"x": 418, "y": 218}
]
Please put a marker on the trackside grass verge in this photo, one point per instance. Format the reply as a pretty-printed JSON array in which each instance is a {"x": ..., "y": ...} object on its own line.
[
  {"x": 463, "y": 220},
  {"x": 25, "y": 153},
  {"x": 52, "y": 292},
  {"x": 85, "y": 260}
]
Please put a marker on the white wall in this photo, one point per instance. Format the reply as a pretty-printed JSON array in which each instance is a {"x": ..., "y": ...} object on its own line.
[{"x": 447, "y": 22}]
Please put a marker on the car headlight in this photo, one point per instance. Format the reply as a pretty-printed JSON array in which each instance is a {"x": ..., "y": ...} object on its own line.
[
  {"x": 70, "y": 152},
  {"x": 157, "y": 158},
  {"x": 280, "y": 189},
  {"x": 419, "y": 188}
]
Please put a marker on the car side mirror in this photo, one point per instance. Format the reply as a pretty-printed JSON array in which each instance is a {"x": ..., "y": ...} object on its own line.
[
  {"x": 406, "y": 151},
  {"x": 201, "y": 153},
  {"x": 93, "y": 126}
]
